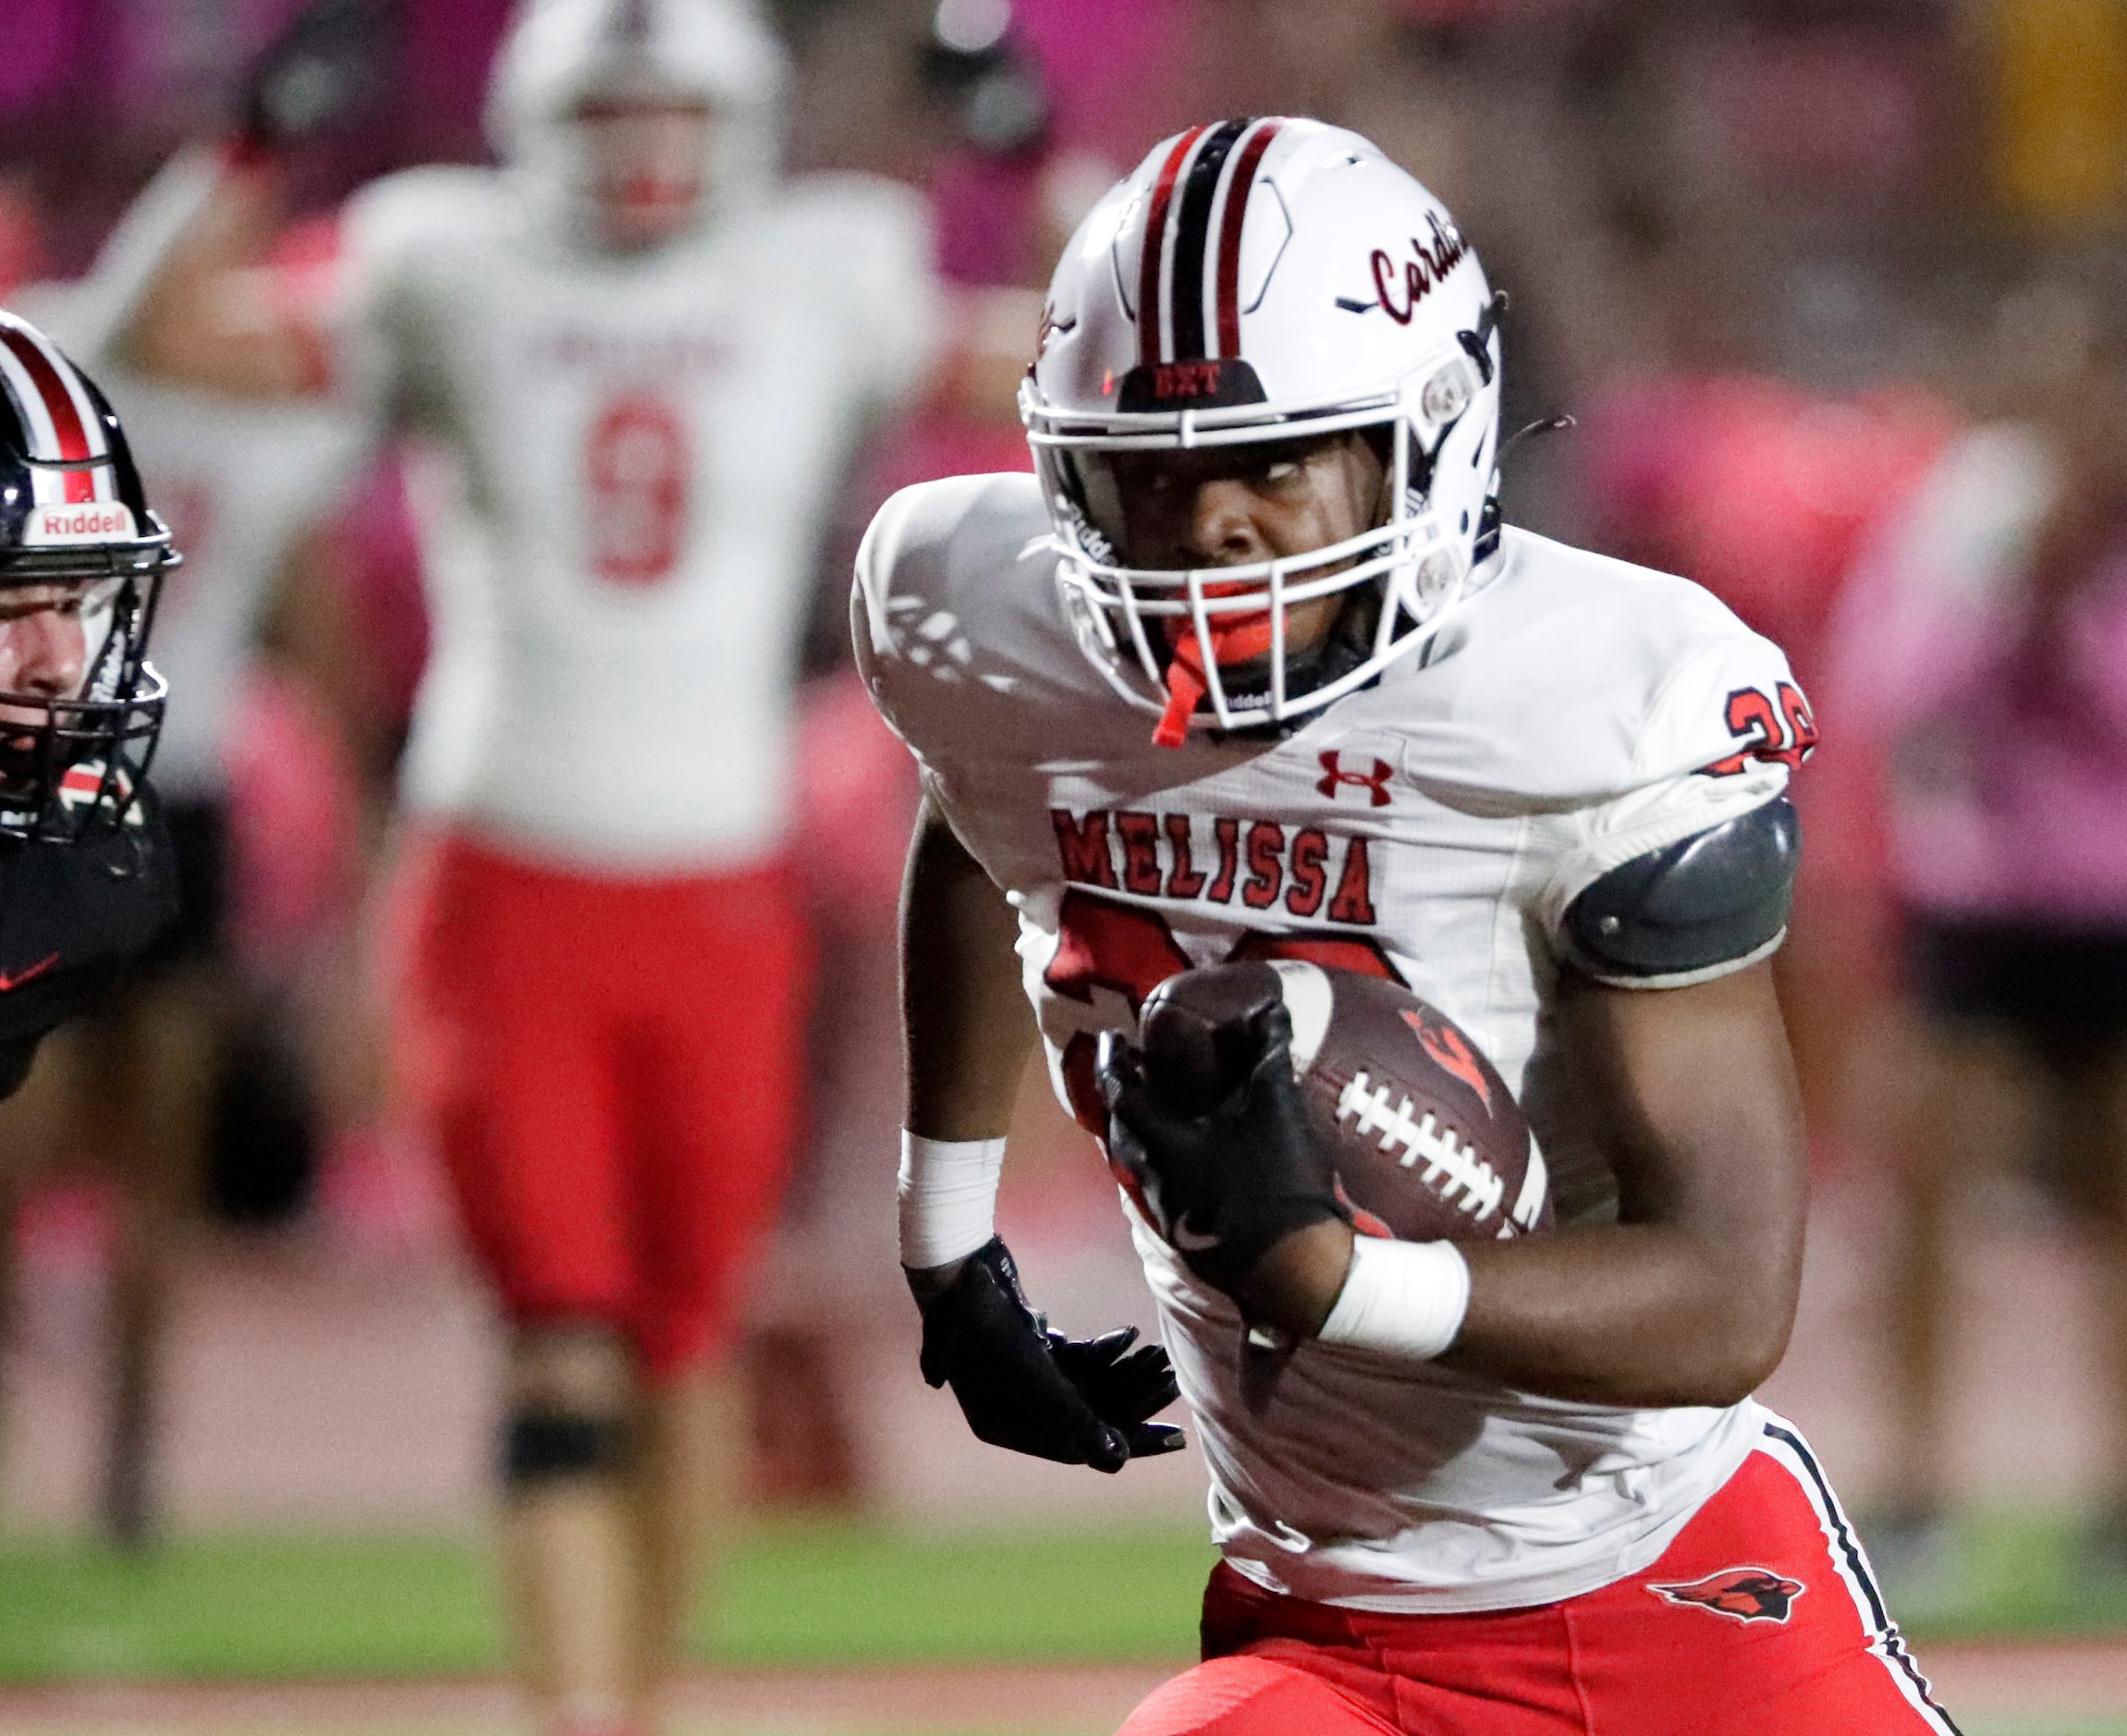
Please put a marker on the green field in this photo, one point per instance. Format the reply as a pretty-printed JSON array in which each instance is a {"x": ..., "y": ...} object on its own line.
[
  {"x": 796, "y": 1596},
  {"x": 803, "y": 1594},
  {"x": 1984, "y": 1729}
]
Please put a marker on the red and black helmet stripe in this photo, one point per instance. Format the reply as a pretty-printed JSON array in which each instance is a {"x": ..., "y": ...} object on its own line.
[
  {"x": 60, "y": 425},
  {"x": 1150, "y": 278},
  {"x": 1192, "y": 240},
  {"x": 1189, "y": 285},
  {"x": 1230, "y": 226},
  {"x": 117, "y": 466}
]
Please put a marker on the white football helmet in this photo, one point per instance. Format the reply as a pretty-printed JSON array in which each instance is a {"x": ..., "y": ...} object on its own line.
[
  {"x": 561, "y": 54},
  {"x": 1265, "y": 280}
]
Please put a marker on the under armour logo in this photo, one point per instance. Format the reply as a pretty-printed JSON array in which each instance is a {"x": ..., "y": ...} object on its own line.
[{"x": 1375, "y": 783}]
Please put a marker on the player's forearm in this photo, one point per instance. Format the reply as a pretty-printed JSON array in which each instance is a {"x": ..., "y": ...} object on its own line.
[
  {"x": 1632, "y": 1314},
  {"x": 966, "y": 1023},
  {"x": 967, "y": 1029},
  {"x": 1642, "y": 1315},
  {"x": 1688, "y": 1298}
]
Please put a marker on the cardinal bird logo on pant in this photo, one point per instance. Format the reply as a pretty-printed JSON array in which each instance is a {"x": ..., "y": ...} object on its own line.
[{"x": 1749, "y": 1594}]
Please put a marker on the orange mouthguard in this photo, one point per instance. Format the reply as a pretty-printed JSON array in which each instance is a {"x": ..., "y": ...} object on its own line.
[{"x": 1243, "y": 637}]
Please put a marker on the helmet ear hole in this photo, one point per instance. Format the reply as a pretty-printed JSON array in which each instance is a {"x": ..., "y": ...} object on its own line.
[
  {"x": 1448, "y": 394},
  {"x": 1434, "y": 578}
]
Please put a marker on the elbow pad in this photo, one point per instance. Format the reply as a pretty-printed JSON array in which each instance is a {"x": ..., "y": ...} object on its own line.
[{"x": 1705, "y": 905}]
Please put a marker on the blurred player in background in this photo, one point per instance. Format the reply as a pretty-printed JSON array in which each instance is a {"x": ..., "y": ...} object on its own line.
[
  {"x": 142, "y": 1082},
  {"x": 1984, "y": 658},
  {"x": 636, "y": 362},
  {"x": 85, "y": 860},
  {"x": 1517, "y": 1484},
  {"x": 86, "y": 872}
]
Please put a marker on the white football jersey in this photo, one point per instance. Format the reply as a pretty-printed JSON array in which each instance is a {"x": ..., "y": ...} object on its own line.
[
  {"x": 628, "y": 466},
  {"x": 1576, "y": 713}
]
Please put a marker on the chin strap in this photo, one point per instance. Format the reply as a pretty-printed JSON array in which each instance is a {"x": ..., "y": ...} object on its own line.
[{"x": 1542, "y": 425}]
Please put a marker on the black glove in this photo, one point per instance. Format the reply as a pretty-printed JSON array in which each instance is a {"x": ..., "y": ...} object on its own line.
[
  {"x": 328, "y": 68},
  {"x": 1080, "y": 1402},
  {"x": 1223, "y": 1184}
]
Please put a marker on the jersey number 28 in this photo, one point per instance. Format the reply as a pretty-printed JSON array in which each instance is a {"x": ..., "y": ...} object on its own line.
[{"x": 637, "y": 464}]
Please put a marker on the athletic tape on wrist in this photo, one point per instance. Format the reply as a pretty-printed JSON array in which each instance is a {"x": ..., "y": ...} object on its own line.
[
  {"x": 948, "y": 1192},
  {"x": 1401, "y": 1298}
]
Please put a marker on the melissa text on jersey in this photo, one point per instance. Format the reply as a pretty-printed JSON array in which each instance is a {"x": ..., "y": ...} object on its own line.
[{"x": 1182, "y": 856}]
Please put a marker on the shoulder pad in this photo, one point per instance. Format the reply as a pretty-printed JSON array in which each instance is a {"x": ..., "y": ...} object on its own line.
[
  {"x": 414, "y": 216},
  {"x": 1714, "y": 901}
]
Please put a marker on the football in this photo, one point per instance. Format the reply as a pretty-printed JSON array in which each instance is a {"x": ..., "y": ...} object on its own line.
[{"x": 1429, "y": 1143}]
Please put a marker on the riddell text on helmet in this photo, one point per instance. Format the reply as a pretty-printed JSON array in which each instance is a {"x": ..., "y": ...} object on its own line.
[{"x": 104, "y": 521}]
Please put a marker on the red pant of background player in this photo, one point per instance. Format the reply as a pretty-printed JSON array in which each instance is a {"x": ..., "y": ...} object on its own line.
[
  {"x": 610, "y": 1066},
  {"x": 1761, "y": 1617}
]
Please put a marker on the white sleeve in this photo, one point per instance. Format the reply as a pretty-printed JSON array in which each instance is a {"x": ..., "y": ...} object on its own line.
[
  {"x": 367, "y": 298},
  {"x": 957, "y": 632},
  {"x": 393, "y": 239},
  {"x": 1720, "y": 737},
  {"x": 884, "y": 278},
  {"x": 880, "y": 618}
]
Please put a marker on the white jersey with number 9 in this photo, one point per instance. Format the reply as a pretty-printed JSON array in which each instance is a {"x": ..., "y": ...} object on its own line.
[{"x": 626, "y": 464}]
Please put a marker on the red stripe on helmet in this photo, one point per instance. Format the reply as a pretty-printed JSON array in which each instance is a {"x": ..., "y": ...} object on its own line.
[
  {"x": 1235, "y": 217},
  {"x": 1154, "y": 247},
  {"x": 58, "y": 405}
]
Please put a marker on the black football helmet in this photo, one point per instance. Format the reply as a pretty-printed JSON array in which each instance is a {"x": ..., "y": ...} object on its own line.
[{"x": 78, "y": 539}]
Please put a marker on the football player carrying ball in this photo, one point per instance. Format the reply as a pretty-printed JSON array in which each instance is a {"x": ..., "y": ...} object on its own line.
[{"x": 1250, "y": 669}]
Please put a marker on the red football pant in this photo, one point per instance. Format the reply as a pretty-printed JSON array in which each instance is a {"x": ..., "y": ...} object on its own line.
[
  {"x": 1762, "y": 1616},
  {"x": 611, "y": 1068}
]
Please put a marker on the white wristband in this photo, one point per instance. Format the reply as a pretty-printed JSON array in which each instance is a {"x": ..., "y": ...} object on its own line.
[
  {"x": 947, "y": 1190},
  {"x": 1402, "y": 1298}
]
